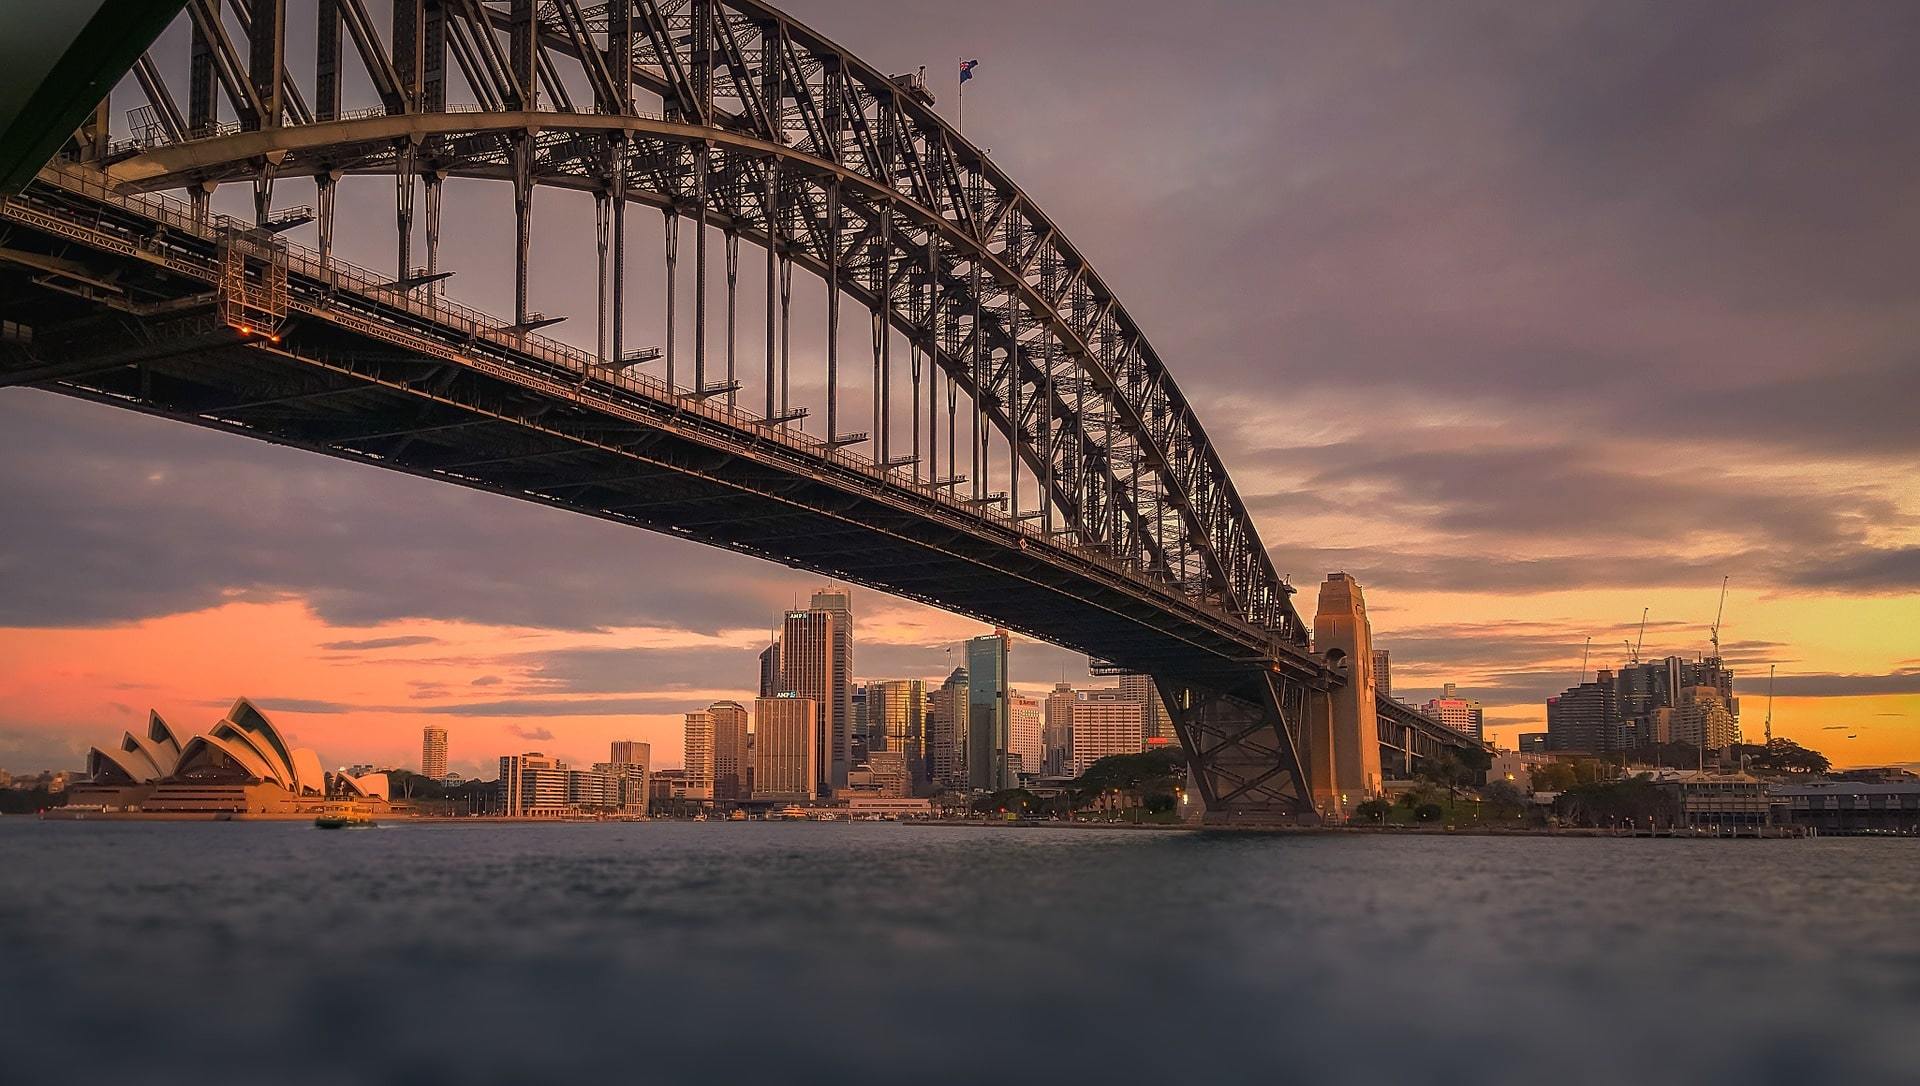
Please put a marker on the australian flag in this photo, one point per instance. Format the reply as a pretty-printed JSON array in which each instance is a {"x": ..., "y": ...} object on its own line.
[{"x": 966, "y": 70}]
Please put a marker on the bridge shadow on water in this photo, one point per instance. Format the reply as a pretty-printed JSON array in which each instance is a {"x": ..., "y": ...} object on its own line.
[{"x": 813, "y": 953}]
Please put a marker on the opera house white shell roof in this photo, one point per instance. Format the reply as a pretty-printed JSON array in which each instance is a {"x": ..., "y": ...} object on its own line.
[{"x": 244, "y": 745}]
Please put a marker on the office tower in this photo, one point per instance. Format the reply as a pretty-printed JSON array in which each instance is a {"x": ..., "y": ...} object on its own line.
[
  {"x": 838, "y": 602},
  {"x": 1456, "y": 712},
  {"x": 896, "y": 724},
  {"x": 728, "y": 719},
  {"x": 987, "y": 768},
  {"x": 632, "y": 752},
  {"x": 884, "y": 774},
  {"x": 1026, "y": 749},
  {"x": 1533, "y": 743},
  {"x": 1106, "y": 722},
  {"x": 1057, "y": 733},
  {"x": 860, "y": 741},
  {"x": 532, "y": 783},
  {"x": 785, "y": 747},
  {"x": 433, "y": 752},
  {"x": 770, "y": 669},
  {"x": 1383, "y": 672},
  {"x": 1141, "y": 689},
  {"x": 947, "y": 732},
  {"x": 815, "y": 662},
  {"x": 1586, "y": 717}
]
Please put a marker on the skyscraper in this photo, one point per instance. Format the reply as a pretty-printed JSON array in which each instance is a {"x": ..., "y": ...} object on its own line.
[
  {"x": 806, "y": 651},
  {"x": 839, "y": 603},
  {"x": 631, "y": 761},
  {"x": 770, "y": 669},
  {"x": 728, "y": 720},
  {"x": 785, "y": 747},
  {"x": 1141, "y": 689},
  {"x": 433, "y": 752},
  {"x": 947, "y": 732},
  {"x": 896, "y": 724},
  {"x": 697, "y": 754},
  {"x": 860, "y": 739},
  {"x": 1586, "y": 718},
  {"x": 1027, "y": 751},
  {"x": 987, "y": 736},
  {"x": 1383, "y": 672},
  {"x": 1057, "y": 732}
]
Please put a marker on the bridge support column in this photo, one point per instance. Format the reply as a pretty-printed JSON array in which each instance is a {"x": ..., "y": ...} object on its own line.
[
  {"x": 1241, "y": 753},
  {"x": 1343, "y": 732}
]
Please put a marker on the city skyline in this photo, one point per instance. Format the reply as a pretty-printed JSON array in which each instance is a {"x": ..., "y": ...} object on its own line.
[{"x": 1536, "y": 498}]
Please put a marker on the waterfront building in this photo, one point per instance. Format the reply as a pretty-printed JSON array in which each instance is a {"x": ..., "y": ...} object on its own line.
[
  {"x": 1717, "y": 800},
  {"x": 1141, "y": 689},
  {"x": 1586, "y": 718},
  {"x": 786, "y": 748},
  {"x": 696, "y": 751},
  {"x": 1383, "y": 672},
  {"x": 631, "y": 761},
  {"x": 1106, "y": 722},
  {"x": 1458, "y": 713},
  {"x": 988, "y": 740},
  {"x": 1027, "y": 750},
  {"x": 947, "y": 732},
  {"x": 883, "y": 775},
  {"x": 243, "y": 764},
  {"x": 1887, "y": 805},
  {"x": 716, "y": 752},
  {"x": 433, "y": 752},
  {"x": 1056, "y": 735},
  {"x": 533, "y": 785},
  {"x": 897, "y": 724}
]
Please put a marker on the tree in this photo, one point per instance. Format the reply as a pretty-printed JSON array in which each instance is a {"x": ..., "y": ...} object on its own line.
[
  {"x": 1373, "y": 810},
  {"x": 1504, "y": 799},
  {"x": 1785, "y": 756},
  {"x": 1428, "y": 812}
]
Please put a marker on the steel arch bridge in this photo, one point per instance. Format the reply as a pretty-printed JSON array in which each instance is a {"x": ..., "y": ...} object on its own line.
[{"x": 996, "y": 437}]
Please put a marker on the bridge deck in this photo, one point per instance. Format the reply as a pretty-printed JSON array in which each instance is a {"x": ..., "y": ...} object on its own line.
[{"x": 406, "y": 381}]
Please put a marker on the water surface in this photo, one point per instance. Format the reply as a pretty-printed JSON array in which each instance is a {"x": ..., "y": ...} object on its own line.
[{"x": 723, "y": 952}]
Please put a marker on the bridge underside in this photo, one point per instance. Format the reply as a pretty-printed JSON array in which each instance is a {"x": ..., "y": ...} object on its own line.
[{"x": 108, "y": 305}]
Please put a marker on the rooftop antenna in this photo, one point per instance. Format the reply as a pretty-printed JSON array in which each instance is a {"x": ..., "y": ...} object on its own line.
[
  {"x": 1769, "y": 704},
  {"x": 1643, "y": 634},
  {"x": 1718, "y": 614}
]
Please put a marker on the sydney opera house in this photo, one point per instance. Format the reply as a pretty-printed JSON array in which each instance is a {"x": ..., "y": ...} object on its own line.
[{"x": 241, "y": 766}]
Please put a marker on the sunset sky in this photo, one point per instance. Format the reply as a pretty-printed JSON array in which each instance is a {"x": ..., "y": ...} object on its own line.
[{"x": 1531, "y": 316}]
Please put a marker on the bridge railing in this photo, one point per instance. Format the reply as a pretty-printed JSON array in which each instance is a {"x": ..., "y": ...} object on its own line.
[{"x": 439, "y": 310}]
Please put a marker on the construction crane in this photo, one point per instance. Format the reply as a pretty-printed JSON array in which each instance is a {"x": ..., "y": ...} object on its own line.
[
  {"x": 1769, "y": 704},
  {"x": 1585, "y": 651},
  {"x": 1718, "y": 614},
  {"x": 1642, "y": 639}
]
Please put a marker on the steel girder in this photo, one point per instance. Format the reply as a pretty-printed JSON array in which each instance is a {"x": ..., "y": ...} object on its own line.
[
  {"x": 772, "y": 132},
  {"x": 1241, "y": 742}
]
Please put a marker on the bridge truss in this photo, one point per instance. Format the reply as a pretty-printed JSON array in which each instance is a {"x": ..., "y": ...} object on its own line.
[{"x": 1025, "y": 456}]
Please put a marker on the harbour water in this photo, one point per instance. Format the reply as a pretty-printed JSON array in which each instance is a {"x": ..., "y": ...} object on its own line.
[{"x": 724, "y": 952}]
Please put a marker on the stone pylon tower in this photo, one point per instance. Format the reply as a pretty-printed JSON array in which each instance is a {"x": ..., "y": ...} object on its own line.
[{"x": 1343, "y": 740}]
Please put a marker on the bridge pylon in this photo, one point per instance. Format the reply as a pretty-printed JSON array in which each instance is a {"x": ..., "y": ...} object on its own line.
[{"x": 1342, "y": 728}]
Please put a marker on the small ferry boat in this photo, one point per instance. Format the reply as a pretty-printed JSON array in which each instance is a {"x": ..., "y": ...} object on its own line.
[{"x": 344, "y": 822}]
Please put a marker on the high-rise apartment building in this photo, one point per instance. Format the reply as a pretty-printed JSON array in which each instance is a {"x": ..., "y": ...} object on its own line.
[
  {"x": 433, "y": 752},
  {"x": 897, "y": 724},
  {"x": 1586, "y": 717},
  {"x": 1106, "y": 722},
  {"x": 1026, "y": 719},
  {"x": 1383, "y": 672},
  {"x": 1141, "y": 689},
  {"x": 1458, "y": 713},
  {"x": 947, "y": 732},
  {"x": 987, "y": 725},
  {"x": 697, "y": 754},
  {"x": 1057, "y": 730},
  {"x": 1703, "y": 719},
  {"x": 631, "y": 762},
  {"x": 786, "y": 747}
]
